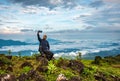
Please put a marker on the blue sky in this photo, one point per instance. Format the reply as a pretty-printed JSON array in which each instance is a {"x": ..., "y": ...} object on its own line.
[{"x": 20, "y": 17}]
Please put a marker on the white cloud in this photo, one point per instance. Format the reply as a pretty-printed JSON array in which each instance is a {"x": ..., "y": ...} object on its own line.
[
  {"x": 9, "y": 30},
  {"x": 55, "y": 2},
  {"x": 58, "y": 18},
  {"x": 112, "y": 1}
]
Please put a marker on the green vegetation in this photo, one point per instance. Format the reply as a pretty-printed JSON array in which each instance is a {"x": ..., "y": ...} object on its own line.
[
  {"x": 108, "y": 66},
  {"x": 26, "y": 69},
  {"x": 2, "y": 72},
  {"x": 9, "y": 52},
  {"x": 5, "y": 61}
]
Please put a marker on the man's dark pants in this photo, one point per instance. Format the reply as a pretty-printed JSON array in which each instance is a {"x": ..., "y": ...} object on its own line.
[{"x": 48, "y": 54}]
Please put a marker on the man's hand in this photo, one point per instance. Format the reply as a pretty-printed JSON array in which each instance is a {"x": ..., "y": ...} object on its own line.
[{"x": 38, "y": 32}]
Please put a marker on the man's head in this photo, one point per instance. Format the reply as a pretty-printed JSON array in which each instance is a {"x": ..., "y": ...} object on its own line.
[{"x": 44, "y": 37}]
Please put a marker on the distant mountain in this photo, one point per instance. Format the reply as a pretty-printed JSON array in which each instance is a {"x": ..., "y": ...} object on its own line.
[{"x": 11, "y": 42}]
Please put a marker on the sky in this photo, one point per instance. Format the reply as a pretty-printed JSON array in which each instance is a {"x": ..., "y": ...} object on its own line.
[{"x": 19, "y": 18}]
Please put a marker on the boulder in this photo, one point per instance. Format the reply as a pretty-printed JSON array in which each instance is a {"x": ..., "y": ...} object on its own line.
[
  {"x": 26, "y": 64},
  {"x": 75, "y": 78},
  {"x": 32, "y": 75},
  {"x": 76, "y": 65},
  {"x": 61, "y": 77},
  {"x": 22, "y": 77},
  {"x": 7, "y": 77},
  {"x": 100, "y": 77},
  {"x": 10, "y": 69},
  {"x": 115, "y": 78},
  {"x": 43, "y": 61},
  {"x": 42, "y": 68},
  {"x": 9, "y": 57}
]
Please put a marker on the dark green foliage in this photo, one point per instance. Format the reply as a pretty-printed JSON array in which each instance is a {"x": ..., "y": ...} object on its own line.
[
  {"x": 97, "y": 60},
  {"x": 2, "y": 72},
  {"x": 26, "y": 69},
  {"x": 25, "y": 64},
  {"x": 78, "y": 57},
  {"x": 5, "y": 61},
  {"x": 61, "y": 62},
  {"x": 89, "y": 70},
  {"x": 9, "y": 52},
  {"x": 112, "y": 60},
  {"x": 19, "y": 54}
]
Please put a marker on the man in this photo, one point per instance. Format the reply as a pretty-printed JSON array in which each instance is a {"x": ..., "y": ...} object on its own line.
[{"x": 44, "y": 47}]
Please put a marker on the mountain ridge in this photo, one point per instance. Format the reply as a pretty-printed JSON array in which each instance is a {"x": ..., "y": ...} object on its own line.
[{"x": 11, "y": 42}]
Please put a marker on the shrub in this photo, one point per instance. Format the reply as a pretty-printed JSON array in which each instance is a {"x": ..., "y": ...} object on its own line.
[
  {"x": 89, "y": 70},
  {"x": 97, "y": 60},
  {"x": 26, "y": 69},
  {"x": 4, "y": 60},
  {"x": 51, "y": 67},
  {"x": 9, "y": 52},
  {"x": 78, "y": 57},
  {"x": 62, "y": 62},
  {"x": 2, "y": 72}
]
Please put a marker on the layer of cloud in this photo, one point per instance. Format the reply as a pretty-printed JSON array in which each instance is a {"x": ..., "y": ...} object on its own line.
[
  {"x": 112, "y": 1},
  {"x": 58, "y": 15},
  {"x": 48, "y": 3}
]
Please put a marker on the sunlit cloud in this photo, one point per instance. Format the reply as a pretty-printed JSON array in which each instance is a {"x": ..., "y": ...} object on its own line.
[{"x": 58, "y": 15}]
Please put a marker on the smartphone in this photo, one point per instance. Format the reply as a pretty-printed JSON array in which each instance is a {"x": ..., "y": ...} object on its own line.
[{"x": 40, "y": 31}]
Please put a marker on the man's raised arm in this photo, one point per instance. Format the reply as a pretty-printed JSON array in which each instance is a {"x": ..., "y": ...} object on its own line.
[
  {"x": 38, "y": 36},
  {"x": 48, "y": 45}
]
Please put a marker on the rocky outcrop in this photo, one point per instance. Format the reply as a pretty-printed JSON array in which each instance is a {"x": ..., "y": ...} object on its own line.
[
  {"x": 42, "y": 68},
  {"x": 7, "y": 77},
  {"x": 42, "y": 60},
  {"x": 31, "y": 75},
  {"x": 101, "y": 77},
  {"x": 10, "y": 69},
  {"x": 26, "y": 64},
  {"x": 43, "y": 63},
  {"x": 76, "y": 65},
  {"x": 9, "y": 57},
  {"x": 75, "y": 78},
  {"x": 61, "y": 77}
]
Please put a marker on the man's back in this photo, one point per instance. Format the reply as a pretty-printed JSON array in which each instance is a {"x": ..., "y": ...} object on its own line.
[{"x": 44, "y": 44}]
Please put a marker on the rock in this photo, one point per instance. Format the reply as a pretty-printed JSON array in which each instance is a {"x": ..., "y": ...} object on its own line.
[
  {"x": 76, "y": 65},
  {"x": 38, "y": 77},
  {"x": 61, "y": 77},
  {"x": 100, "y": 77},
  {"x": 9, "y": 57},
  {"x": 32, "y": 75},
  {"x": 75, "y": 79},
  {"x": 22, "y": 77},
  {"x": 115, "y": 78},
  {"x": 7, "y": 77},
  {"x": 10, "y": 69},
  {"x": 40, "y": 56},
  {"x": 42, "y": 68},
  {"x": 26, "y": 64},
  {"x": 43, "y": 61},
  {"x": 63, "y": 63}
]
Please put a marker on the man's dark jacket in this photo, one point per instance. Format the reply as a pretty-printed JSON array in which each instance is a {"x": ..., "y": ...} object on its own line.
[{"x": 44, "y": 45}]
